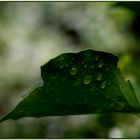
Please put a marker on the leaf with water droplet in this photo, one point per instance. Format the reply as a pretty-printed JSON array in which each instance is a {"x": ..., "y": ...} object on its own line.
[
  {"x": 73, "y": 71},
  {"x": 96, "y": 57},
  {"x": 65, "y": 90},
  {"x": 100, "y": 64},
  {"x": 99, "y": 77},
  {"x": 85, "y": 66},
  {"x": 103, "y": 85},
  {"x": 87, "y": 79}
]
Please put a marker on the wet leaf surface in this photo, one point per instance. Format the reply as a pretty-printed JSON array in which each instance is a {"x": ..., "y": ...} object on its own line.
[{"x": 78, "y": 83}]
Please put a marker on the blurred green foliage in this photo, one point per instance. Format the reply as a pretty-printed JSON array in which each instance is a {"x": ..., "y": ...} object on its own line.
[{"x": 31, "y": 33}]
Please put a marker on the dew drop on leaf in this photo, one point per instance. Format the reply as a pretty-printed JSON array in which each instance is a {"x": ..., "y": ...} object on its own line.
[
  {"x": 67, "y": 65},
  {"x": 100, "y": 64},
  {"x": 83, "y": 62},
  {"x": 99, "y": 77},
  {"x": 87, "y": 79},
  {"x": 103, "y": 85},
  {"x": 73, "y": 71},
  {"x": 62, "y": 66},
  {"x": 85, "y": 66}
]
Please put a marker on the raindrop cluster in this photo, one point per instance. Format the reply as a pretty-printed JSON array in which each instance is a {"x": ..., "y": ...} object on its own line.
[
  {"x": 88, "y": 78},
  {"x": 96, "y": 57}
]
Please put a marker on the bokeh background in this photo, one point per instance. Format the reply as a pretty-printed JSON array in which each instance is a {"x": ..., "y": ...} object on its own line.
[{"x": 31, "y": 33}]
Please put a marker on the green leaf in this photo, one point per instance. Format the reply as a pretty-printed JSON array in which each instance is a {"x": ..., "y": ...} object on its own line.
[{"x": 78, "y": 83}]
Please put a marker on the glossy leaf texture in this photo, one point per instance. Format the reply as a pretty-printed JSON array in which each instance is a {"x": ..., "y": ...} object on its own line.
[{"x": 78, "y": 83}]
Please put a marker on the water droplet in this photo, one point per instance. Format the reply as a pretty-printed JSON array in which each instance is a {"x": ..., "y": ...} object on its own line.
[
  {"x": 92, "y": 66},
  {"x": 100, "y": 64},
  {"x": 87, "y": 79},
  {"x": 83, "y": 62},
  {"x": 85, "y": 66},
  {"x": 77, "y": 82},
  {"x": 103, "y": 85},
  {"x": 96, "y": 57},
  {"x": 73, "y": 71},
  {"x": 99, "y": 77},
  {"x": 62, "y": 66},
  {"x": 67, "y": 65}
]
